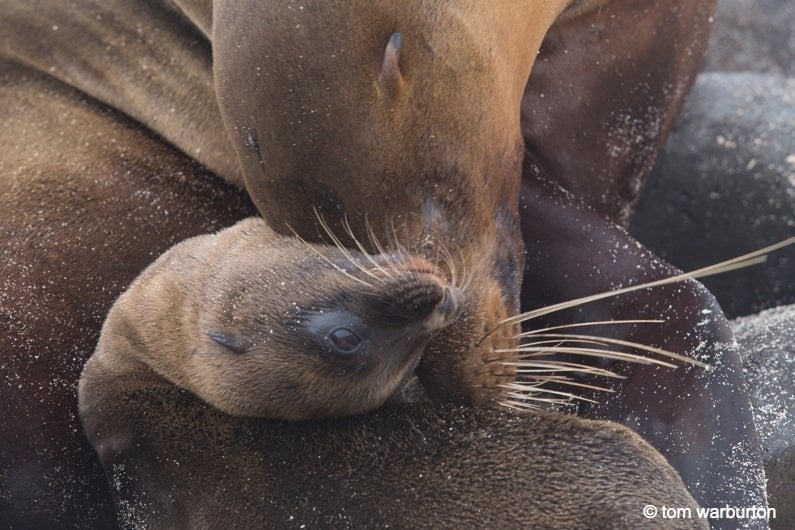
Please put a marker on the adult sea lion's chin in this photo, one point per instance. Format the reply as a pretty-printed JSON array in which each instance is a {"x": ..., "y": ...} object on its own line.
[{"x": 471, "y": 361}]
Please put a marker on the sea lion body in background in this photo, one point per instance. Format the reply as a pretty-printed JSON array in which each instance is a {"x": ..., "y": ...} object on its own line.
[
  {"x": 76, "y": 167},
  {"x": 89, "y": 199},
  {"x": 580, "y": 196},
  {"x": 419, "y": 465},
  {"x": 105, "y": 109}
]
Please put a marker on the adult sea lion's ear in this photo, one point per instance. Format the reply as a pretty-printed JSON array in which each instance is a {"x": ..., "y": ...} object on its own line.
[{"x": 390, "y": 77}]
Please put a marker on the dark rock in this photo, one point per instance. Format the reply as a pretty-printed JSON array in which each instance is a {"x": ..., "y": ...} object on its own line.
[
  {"x": 768, "y": 340},
  {"x": 725, "y": 185},
  {"x": 754, "y": 36}
]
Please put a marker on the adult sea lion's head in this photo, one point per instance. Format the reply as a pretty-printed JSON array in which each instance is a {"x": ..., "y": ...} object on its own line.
[{"x": 402, "y": 120}]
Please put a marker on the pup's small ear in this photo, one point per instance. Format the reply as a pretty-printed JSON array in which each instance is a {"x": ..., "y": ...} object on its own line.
[{"x": 228, "y": 341}]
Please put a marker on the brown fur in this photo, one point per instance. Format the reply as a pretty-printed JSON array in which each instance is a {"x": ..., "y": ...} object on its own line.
[
  {"x": 428, "y": 130},
  {"x": 251, "y": 286},
  {"x": 88, "y": 200},
  {"x": 243, "y": 319},
  {"x": 608, "y": 80},
  {"x": 415, "y": 466},
  {"x": 93, "y": 194}
]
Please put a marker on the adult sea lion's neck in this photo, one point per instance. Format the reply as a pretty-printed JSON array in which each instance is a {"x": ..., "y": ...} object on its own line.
[{"x": 149, "y": 60}]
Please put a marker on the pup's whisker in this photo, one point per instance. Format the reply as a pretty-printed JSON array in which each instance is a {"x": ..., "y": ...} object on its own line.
[
  {"x": 450, "y": 265},
  {"x": 324, "y": 258},
  {"x": 345, "y": 252},
  {"x": 348, "y": 230},
  {"x": 372, "y": 237}
]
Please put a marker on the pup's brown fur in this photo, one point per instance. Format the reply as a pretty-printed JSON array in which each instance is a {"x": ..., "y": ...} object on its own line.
[{"x": 266, "y": 326}]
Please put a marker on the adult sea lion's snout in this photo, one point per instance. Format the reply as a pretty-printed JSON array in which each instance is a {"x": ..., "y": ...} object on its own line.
[{"x": 470, "y": 360}]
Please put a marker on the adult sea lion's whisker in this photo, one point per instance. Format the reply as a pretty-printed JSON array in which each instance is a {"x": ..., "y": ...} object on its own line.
[
  {"x": 570, "y": 382},
  {"x": 528, "y": 405},
  {"x": 576, "y": 338},
  {"x": 552, "y": 366},
  {"x": 592, "y": 323},
  {"x": 746, "y": 260},
  {"x": 517, "y": 390},
  {"x": 555, "y": 339},
  {"x": 587, "y": 352}
]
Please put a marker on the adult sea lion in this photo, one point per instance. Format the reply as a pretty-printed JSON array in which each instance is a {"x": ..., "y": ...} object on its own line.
[
  {"x": 389, "y": 79},
  {"x": 63, "y": 68},
  {"x": 579, "y": 184}
]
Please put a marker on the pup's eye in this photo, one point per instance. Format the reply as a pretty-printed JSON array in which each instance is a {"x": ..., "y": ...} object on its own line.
[{"x": 344, "y": 340}]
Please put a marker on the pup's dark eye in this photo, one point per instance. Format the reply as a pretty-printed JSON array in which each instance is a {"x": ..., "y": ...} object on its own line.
[
  {"x": 340, "y": 335},
  {"x": 345, "y": 340}
]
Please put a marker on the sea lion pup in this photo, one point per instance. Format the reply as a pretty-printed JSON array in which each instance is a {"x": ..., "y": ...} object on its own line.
[
  {"x": 420, "y": 465},
  {"x": 260, "y": 325},
  {"x": 266, "y": 326}
]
